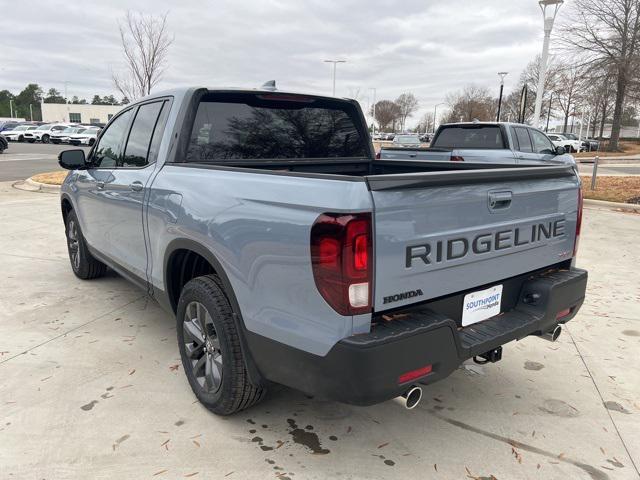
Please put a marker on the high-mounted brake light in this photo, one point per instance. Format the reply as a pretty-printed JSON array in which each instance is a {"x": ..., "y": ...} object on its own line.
[
  {"x": 578, "y": 221},
  {"x": 286, "y": 97},
  {"x": 341, "y": 261}
]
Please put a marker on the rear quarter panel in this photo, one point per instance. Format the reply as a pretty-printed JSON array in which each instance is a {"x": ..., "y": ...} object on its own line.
[{"x": 258, "y": 227}]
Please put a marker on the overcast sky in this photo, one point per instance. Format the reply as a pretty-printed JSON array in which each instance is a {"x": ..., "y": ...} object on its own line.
[{"x": 421, "y": 46}]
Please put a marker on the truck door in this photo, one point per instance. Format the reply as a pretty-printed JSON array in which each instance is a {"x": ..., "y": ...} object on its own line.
[
  {"x": 126, "y": 192},
  {"x": 91, "y": 183}
]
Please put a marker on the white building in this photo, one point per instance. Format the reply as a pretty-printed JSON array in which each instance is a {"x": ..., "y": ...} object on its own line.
[{"x": 76, "y": 113}]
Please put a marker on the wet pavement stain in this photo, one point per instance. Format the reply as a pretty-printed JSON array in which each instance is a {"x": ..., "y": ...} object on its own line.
[
  {"x": 631, "y": 333},
  {"x": 117, "y": 443},
  {"x": 179, "y": 423},
  {"x": 89, "y": 405},
  {"x": 616, "y": 407},
  {"x": 559, "y": 408},
  {"x": 259, "y": 441},
  {"x": 333, "y": 438},
  {"x": 528, "y": 365},
  {"x": 305, "y": 438},
  {"x": 250, "y": 421}
]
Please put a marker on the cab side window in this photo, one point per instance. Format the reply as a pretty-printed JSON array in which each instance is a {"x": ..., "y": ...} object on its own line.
[
  {"x": 136, "y": 153},
  {"x": 109, "y": 148},
  {"x": 541, "y": 144},
  {"x": 524, "y": 141}
]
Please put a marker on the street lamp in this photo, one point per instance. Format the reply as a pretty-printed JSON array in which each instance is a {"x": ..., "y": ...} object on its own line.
[
  {"x": 373, "y": 110},
  {"x": 435, "y": 111},
  {"x": 11, "y": 107},
  {"x": 335, "y": 62},
  {"x": 501, "y": 75},
  {"x": 549, "y": 11}
]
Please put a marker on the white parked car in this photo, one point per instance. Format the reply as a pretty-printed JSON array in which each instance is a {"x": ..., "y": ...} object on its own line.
[
  {"x": 63, "y": 136},
  {"x": 43, "y": 132},
  {"x": 86, "y": 137},
  {"x": 17, "y": 134},
  {"x": 561, "y": 141}
]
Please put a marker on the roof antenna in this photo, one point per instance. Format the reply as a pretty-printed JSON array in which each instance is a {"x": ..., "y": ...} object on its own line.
[{"x": 269, "y": 85}]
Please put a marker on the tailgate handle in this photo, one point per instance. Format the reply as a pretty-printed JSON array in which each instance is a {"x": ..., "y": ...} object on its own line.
[{"x": 499, "y": 200}]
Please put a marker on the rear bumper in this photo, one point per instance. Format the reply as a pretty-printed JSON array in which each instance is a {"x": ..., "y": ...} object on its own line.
[{"x": 364, "y": 369}]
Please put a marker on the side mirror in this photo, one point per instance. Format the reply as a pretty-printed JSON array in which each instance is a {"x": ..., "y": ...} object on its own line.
[
  {"x": 72, "y": 159},
  {"x": 560, "y": 151}
]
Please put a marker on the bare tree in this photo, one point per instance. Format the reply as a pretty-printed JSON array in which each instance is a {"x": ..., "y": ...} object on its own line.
[
  {"x": 606, "y": 33},
  {"x": 529, "y": 76},
  {"x": 471, "y": 103},
  {"x": 387, "y": 113},
  {"x": 426, "y": 123},
  {"x": 145, "y": 44},
  {"x": 569, "y": 91},
  {"x": 408, "y": 104}
]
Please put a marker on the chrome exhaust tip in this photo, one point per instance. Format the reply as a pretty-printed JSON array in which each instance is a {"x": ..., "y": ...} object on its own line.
[
  {"x": 552, "y": 335},
  {"x": 412, "y": 397}
]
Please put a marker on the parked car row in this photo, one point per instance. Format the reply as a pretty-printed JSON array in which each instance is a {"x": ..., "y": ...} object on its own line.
[
  {"x": 56, "y": 133},
  {"x": 423, "y": 137}
]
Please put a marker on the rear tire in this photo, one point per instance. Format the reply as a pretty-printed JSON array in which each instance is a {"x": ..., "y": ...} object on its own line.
[
  {"x": 45, "y": 138},
  {"x": 92, "y": 141},
  {"x": 209, "y": 344},
  {"x": 83, "y": 264}
]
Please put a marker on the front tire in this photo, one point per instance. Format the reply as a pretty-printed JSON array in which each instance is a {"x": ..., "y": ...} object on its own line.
[
  {"x": 210, "y": 348},
  {"x": 45, "y": 138},
  {"x": 83, "y": 264},
  {"x": 20, "y": 138}
]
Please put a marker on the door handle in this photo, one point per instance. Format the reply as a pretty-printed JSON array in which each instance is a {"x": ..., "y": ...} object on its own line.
[
  {"x": 136, "y": 186},
  {"x": 499, "y": 200},
  {"x": 100, "y": 185}
]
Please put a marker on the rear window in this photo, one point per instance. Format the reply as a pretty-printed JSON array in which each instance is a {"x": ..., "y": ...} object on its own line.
[
  {"x": 231, "y": 127},
  {"x": 485, "y": 136}
]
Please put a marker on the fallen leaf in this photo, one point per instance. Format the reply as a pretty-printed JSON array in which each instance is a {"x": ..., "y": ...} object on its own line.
[
  {"x": 191, "y": 474},
  {"x": 160, "y": 472},
  {"x": 175, "y": 367},
  {"x": 435, "y": 467},
  {"x": 132, "y": 371},
  {"x": 383, "y": 445},
  {"x": 197, "y": 444}
]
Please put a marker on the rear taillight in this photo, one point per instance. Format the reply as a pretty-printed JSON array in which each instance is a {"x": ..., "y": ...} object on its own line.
[
  {"x": 341, "y": 260},
  {"x": 578, "y": 221},
  {"x": 457, "y": 158}
]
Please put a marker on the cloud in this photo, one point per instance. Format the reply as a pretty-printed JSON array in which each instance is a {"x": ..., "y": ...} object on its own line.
[{"x": 425, "y": 47}]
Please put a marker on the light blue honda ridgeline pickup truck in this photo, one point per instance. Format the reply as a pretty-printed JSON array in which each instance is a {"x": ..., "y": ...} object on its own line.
[{"x": 290, "y": 255}]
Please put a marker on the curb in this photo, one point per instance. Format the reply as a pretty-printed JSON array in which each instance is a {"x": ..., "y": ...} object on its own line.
[
  {"x": 30, "y": 185},
  {"x": 616, "y": 206}
]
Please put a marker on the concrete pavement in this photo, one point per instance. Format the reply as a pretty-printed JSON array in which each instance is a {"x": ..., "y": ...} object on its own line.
[{"x": 92, "y": 386}]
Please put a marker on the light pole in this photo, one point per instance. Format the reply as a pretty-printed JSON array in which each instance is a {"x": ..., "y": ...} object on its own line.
[
  {"x": 373, "y": 110},
  {"x": 435, "y": 112},
  {"x": 501, "y": 75},
  {"x": 31, "y": 112},
  {"x": 11, "y": 107},
  {"x": 549, "y": 11},
  {"x": 335, "y": 62}
]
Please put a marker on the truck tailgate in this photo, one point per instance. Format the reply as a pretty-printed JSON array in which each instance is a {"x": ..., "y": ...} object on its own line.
[{"x": 444, "y": 232}]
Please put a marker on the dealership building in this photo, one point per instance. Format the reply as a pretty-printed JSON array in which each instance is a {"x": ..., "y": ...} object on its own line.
[{"x": 78, "y": 113}]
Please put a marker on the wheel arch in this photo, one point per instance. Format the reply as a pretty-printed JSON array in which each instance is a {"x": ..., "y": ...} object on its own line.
[
  {"x": 66, "y": 206},
  {"x": 182, "y": 262}
]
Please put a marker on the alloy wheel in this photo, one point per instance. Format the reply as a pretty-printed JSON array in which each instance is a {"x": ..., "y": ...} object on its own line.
[
  {"x": 74, "y": 245},
  {"x": 202, "y": 347}
]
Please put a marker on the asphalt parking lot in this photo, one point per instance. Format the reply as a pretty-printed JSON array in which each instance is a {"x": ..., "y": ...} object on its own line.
[
  {"x": 22, "y": 160},
  {"x": 92, "y": 386}
]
